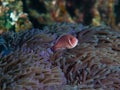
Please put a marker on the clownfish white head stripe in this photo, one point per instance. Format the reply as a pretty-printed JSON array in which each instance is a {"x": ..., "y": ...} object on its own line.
[{"x": 73, "y": 44}]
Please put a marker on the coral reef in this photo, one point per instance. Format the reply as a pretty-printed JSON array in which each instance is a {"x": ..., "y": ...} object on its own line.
[
  {"x": 95, "y": 12},
  {"x": 93, "y": 64},
  {"x": 12, "y": 17},
  {"x": 21, "y": 14}
]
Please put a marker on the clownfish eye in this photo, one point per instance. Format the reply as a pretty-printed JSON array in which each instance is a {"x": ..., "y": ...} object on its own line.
[{"x": 72, "y": 39}]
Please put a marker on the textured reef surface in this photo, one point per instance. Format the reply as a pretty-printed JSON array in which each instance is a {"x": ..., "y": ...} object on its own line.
[{"x": 28, "y": 63}]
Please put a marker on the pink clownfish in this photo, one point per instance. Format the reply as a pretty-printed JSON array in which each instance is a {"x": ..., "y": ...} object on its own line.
[{"x": 66, "y": 41}]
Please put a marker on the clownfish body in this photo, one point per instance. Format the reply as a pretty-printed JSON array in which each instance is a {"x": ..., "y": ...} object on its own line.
[{"x": 66, "y": 41}]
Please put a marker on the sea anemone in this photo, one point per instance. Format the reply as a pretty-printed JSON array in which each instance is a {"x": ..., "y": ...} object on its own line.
[
  {"x": 28, "y": 66},
  {"x": 29, "y": 69},
  {"x": 93, "y": 64}
]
